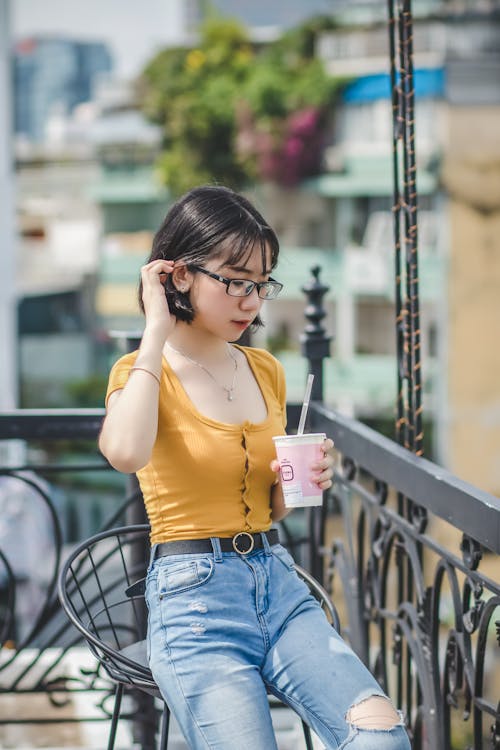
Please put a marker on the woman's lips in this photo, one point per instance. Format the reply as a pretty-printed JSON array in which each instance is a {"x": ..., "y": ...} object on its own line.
[{"x": 241, "y": 323}]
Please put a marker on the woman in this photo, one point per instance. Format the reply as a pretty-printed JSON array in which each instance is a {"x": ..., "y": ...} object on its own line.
[{"x": 193, "y": 415}]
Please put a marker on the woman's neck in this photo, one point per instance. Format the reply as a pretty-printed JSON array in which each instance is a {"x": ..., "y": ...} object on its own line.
[{"x": 199, "y": 345}]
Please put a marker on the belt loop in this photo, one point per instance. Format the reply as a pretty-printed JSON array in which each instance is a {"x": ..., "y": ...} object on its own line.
[
  {"x": 216, "y": 548},
  {"x": 265, "y": 543},
  {"x": 152, "y": 556}
]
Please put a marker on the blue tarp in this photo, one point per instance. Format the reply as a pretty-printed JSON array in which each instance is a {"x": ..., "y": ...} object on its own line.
[{"x": 429, "y": 82}]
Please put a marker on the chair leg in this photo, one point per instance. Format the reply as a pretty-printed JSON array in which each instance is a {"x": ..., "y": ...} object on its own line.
[
  {"x": 307, "y": 736},
  {"x": 116, "y": 715},
  {"x": 165, "y": 726}
]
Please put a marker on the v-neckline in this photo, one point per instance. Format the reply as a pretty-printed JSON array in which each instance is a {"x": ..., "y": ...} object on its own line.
[{"x": 181, "y": 391}]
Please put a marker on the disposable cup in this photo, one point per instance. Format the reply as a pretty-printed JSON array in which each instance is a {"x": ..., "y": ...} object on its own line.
[{"x": 296, "y": 454}]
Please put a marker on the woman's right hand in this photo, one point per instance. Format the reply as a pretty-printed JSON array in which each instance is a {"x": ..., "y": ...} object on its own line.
[{"x": 158, "y": 316}]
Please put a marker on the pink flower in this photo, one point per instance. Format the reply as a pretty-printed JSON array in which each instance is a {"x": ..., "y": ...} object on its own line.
[{"x": 286, "y": 153}]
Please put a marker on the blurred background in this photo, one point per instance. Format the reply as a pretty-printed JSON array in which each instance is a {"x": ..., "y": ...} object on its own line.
[{"x": 112, "y": 109}]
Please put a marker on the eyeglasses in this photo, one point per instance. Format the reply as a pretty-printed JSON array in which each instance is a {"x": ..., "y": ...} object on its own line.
[{"x": 243, "y": 287}]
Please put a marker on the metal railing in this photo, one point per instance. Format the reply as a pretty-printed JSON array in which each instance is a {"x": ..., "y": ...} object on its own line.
[
  {"x": 420, "y": 584},
  {"x": 412, "y": 552}
]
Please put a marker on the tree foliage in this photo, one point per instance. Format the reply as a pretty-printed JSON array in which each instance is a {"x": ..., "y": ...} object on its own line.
[{"x": 233, "y": 113}]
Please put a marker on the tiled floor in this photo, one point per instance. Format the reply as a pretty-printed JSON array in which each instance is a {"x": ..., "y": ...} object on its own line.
[
  {"x": 287, "y": 727},
  {"x": 93, "y": 736}
]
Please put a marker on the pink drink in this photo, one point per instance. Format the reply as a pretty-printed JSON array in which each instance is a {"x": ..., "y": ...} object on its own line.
[{"x": 296, "y": 454}]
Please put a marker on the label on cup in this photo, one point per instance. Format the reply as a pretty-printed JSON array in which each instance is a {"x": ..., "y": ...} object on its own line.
[
  {"x": 294, "y": 494},
  {"x": 296, "y": 454}
]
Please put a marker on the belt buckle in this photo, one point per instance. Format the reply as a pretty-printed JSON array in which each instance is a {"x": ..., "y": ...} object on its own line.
[{"x": 248, "y": 540}]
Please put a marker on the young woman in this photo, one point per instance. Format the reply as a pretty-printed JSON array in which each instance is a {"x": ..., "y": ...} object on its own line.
[{"x": 193, "y": 415}]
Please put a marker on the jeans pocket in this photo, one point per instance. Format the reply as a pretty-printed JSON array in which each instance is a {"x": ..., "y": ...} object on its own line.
[
  {"x": 283, "y": 556},
  {"x": 181, "y": 575}
]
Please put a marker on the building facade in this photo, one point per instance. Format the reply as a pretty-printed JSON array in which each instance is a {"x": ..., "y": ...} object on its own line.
[
  {"x": 457, "y": 125},
  {"x": 51, "y": 76}
]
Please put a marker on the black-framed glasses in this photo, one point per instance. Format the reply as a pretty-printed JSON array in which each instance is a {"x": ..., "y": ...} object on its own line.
[{"x": 244, "y": 287}]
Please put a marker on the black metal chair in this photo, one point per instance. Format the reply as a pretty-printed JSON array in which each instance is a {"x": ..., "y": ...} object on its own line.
[{"x": 97, "y": 593}]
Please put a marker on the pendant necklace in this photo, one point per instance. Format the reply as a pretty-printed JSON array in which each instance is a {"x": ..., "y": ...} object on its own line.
[{"x": 229, "y": 390}]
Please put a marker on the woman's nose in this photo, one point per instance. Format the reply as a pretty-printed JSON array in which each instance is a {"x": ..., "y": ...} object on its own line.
[{"x": 252, "y": 301}]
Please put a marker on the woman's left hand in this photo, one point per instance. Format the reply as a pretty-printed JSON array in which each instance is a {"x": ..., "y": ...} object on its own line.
[{"x": 322, "y": 471}]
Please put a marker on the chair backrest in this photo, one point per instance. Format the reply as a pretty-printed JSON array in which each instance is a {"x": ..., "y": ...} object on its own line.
[
  {"x": 92, "y": 591},
  {"x": 321, "y": 595}
]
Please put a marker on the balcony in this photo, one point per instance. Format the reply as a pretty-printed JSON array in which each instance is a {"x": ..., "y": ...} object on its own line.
[{"x": 408, "y": 551}]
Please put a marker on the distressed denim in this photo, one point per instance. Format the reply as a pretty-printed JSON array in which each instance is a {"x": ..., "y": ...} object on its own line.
[{"x": 225, "y": 629}]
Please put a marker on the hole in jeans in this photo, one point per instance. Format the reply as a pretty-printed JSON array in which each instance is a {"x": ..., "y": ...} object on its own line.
[{"x": 375, "y": 712}]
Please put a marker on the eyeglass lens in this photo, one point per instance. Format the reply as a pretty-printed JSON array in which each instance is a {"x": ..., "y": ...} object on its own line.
[{"x": 241, "y": 288}]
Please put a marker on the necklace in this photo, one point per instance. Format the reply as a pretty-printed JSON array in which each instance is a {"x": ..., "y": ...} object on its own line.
[{"x": 229, "y": 390}]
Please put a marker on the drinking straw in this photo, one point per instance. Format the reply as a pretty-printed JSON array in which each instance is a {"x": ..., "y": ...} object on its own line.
[{"x": 305, "y": 404}]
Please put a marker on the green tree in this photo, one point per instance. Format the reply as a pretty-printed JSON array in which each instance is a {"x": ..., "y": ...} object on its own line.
[
  {"x": 232, "y": 113},
  {"x": 192, "y": 93}
]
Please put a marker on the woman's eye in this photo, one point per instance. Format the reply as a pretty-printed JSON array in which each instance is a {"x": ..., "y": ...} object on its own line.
[{"x": 239, "y": 283}]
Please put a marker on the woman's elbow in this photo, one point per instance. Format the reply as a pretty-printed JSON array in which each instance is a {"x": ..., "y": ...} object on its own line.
[
  {"x": 121, "y": 459},
  {"x": 126, "y": 465}
]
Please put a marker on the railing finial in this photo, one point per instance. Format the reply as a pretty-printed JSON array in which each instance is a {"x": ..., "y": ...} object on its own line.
[{"x": 315, "y": 342}]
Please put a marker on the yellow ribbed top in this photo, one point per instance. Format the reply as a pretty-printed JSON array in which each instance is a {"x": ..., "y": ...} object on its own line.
[{"x": 208, "y": 478}]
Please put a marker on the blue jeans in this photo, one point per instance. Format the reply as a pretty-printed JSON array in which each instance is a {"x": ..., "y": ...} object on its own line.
[{"x": 225, "y": 629}]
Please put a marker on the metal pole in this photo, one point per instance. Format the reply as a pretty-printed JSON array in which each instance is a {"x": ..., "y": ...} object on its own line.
[
  {"x": 315, "y": 346},
  {"x": 315, "y": 343},
  {"x": 8, "y": 322}
]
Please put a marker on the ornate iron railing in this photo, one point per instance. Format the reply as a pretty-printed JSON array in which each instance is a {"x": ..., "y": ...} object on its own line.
[
  {"x": 413, "y": 553},
  {"x": 421, "y": 594},
  {"x": 37, "y": 648}
]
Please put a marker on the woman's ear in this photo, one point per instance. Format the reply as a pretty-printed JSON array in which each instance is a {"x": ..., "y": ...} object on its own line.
[{"x": 182, "y": 278}]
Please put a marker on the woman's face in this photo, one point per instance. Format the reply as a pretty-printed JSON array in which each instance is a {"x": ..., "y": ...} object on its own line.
[{"x": 218, "y": 312}]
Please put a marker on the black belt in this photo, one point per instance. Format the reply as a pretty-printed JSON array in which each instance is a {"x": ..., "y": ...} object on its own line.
[{"x": 242, "y": 543}]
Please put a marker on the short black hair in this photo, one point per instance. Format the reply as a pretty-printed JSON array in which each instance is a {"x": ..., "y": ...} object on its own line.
[{"x": 198, "y": 226}]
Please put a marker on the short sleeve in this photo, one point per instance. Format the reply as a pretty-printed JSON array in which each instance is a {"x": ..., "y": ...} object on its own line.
[{"x": 119, "y": 374}]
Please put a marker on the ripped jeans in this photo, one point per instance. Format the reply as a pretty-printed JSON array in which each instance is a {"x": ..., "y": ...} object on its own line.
[{"x": 227, "y": 629}]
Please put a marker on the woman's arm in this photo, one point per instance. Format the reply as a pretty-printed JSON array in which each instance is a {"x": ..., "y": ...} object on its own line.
[
  {"x": 131, "y": 424},
  {"x": 278, "y": 508}
]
